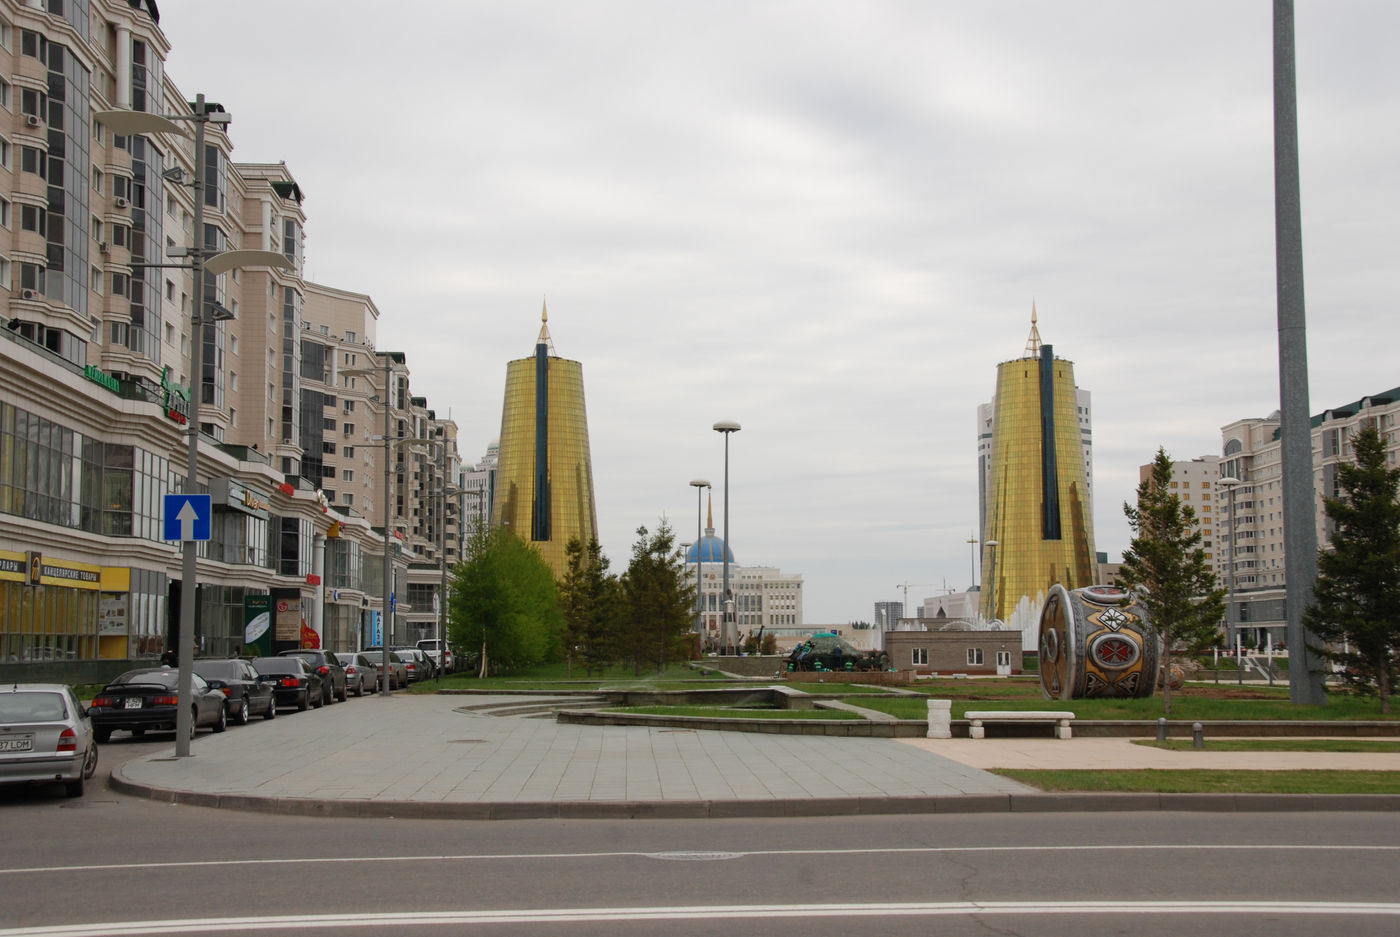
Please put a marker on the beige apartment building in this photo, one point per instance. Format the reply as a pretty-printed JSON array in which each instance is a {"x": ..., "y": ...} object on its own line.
[{"x": 96, "y": 359}]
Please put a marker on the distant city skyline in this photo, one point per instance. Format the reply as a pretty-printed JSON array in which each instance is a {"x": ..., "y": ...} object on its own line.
[{"x": 831, "y": 230}]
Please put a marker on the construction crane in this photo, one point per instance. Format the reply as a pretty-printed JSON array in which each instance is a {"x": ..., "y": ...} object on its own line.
[{"x": 905, "y": 586}]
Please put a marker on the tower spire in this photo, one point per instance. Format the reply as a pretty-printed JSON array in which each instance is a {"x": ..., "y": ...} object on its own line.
[
  {"x": 1033, "y": 340},
  {"x": 544, "y": 338},
  {"x": 710, "y": 515}
]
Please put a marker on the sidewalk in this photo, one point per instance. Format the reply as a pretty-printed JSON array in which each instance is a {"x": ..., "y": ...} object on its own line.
[{"x": 425, "y": 756}]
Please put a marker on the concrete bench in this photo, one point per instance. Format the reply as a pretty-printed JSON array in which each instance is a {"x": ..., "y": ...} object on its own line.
[{"x": 979, "y": 718}]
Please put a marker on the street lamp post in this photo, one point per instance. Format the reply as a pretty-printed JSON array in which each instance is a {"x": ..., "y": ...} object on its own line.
[
  {"x": 972, "y": 558},
  {"x": 698, "y": 484},
  {"x": 386, "y": 613},
  {"x": 201, "y": 260},
  {"x": 991, "y": 546},
  {"x": 1230, "y": 483},
  {"x": 725, "y": 428}
]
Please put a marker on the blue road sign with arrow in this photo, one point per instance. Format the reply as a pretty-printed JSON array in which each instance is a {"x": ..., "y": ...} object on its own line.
[{"x": 188, "y": 517}]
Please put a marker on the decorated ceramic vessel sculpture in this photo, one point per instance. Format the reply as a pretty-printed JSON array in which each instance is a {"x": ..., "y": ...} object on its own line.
[{"x": 1096, "y": 642}]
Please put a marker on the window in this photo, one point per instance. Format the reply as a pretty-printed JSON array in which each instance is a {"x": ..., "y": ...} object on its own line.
[
  {"x": 974, "y": 657},
  {"x": 233, "y": 416},
  {"x": 349, "y": 430},
  {"x": 920, "y": 656},
  {"x": 97, "y": 230},
  {"x": 4, "y": 153},
  {"x": 5, "y": 273},
  {"x": 95, "y": 279},
  {"x": 31, "y": 159},
  {"x": 33, "y": 218},
  {"x": 349, "y": 406},
  {"x": 348, "y": 498},
  {"x": 349, "y": 336},
  {"x": 349, "y": 452},
  {"x": 5, "y": 212},
  {"x": 347, "y": 475},
  {"x": 97, "y": 180},
  {"x": 233, "y": 380},
  {"x": 7, "y": 94}
]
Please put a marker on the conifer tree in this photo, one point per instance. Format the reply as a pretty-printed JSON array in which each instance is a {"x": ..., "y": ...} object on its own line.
[
  {"x": 1356, "y": 599},
  {"x": 1166, "y": 568}
]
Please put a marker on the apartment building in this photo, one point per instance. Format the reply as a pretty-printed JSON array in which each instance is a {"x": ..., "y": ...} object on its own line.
[{"x": 96, "y": 367}]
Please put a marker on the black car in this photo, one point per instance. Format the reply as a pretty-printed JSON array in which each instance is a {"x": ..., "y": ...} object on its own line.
[
  {"x": 330, "y": 669},
  {"x": 246, "y": 694},
  {"x": 147, "y": 700},
  {"x": 293, "y": 681}
]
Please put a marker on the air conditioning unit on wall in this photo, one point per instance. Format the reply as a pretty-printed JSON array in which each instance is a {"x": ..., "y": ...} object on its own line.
[
  {"x": 33, "y": 121},
  {"x": 28, "y": 294},
  {"x": 121, "y": 202}
]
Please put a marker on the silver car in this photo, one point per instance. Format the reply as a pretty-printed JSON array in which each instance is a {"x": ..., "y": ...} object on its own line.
[
  {"x": 361, "y": 672},
  {"x": 45, "y": 735}
]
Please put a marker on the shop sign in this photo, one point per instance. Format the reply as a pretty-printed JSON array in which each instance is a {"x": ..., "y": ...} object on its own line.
[
  {"x": 312, "y": 579},
  {"x": 252, "y": 501},
  {"x": 98, "y": 376},
  {"x": 177, "y": 398},
  {"x": 39, "y": 570},
  {"x": 228, "y": 493},
  {"x": 12, "y": 566}
]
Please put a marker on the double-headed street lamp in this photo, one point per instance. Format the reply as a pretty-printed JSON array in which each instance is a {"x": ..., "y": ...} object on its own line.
[
  {"x": 1230, "y": 483},
  {"x": 726, "y": 428},
  {"x": 202, "y": 260},
  {"x": 386, "y": 613},
  {"x": 698, "y": 484}
]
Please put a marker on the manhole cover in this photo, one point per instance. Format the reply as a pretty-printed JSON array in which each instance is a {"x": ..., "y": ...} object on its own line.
[
  {"x": 465, "y": 741},
  {"x": 694, "y": 856}
]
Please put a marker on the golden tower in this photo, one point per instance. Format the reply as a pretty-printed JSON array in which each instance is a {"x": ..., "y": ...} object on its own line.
[
  {"x": 544, "y": 477},
  {"x": 1038, "y": 510}
]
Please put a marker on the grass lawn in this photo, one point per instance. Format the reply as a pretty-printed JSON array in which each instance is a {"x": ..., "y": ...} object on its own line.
[
  {"x": 735, "y": 712},
  {"x": 1279, "y": 745},
  {"x": 1193, "y": 781}
]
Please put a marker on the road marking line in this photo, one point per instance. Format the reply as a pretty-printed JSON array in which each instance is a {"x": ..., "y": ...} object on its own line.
[
  {"x": 596, "y": 915},
  {"x": 701, "y": 855}
]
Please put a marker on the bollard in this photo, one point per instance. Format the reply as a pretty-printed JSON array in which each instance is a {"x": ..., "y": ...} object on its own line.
[
  {"x": 940, "y": 719},
  {"x": 1198, "y": 735},
  {"x": 1162, "y": 729}
]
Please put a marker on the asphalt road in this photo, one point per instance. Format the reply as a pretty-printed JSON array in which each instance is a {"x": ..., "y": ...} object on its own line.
[{"x": 96, "y": 865}]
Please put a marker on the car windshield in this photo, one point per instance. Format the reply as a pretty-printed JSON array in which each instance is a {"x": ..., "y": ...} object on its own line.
[
  {"x": 218, "y": 669},
  {"x": 346, "y": 658},
  {"x": 166, "y": 676},
  {"x": 278, "y": 665},
  {"x": 31, "y": 707}
]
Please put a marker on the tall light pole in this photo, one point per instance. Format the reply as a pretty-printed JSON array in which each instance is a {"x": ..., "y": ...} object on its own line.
[
  {"x": 202, "y": 260},
  {"x": 386, "y": 613},
  {"x": 725, "y": 428},
  {"x": 1295, "y": 424},
  {"x": 1230, "y": 483},
  {"x": 991, "y": 546},
  {"x": 698, "y": 484},
  {"x": 972, "y": 558}
]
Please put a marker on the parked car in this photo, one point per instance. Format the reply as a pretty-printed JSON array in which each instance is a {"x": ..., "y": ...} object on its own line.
[
  {"x": 147, "y": 699},
  {"x": 45, "y": 735},
  {"x": 441, "y": 660},
  {"x": 417, "y": 663},
  {"x": 325, "y": 664},
  {"x": 293, "y": 681},
  {"x": 398, "y": 669},
  {"x": 245, "y": 693},
  {"x": 361, "y": 674}
]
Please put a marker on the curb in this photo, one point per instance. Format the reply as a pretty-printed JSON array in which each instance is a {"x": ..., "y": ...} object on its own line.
[{"x": 772, "y": 808}]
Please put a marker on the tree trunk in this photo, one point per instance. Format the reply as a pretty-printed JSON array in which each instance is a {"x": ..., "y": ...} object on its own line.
[
  {"x": 1167, "y": 675},
  {"x": 482, "y": 674}
]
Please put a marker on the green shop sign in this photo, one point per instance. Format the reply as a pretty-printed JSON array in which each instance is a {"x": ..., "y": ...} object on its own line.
[{"x": 98, "y": 376}]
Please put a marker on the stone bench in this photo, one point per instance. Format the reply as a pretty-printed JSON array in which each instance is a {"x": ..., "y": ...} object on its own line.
[{"x": 979, "y": 718}]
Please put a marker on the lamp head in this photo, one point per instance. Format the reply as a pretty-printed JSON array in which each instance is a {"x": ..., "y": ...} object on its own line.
[{"x": 727, "y": 426}]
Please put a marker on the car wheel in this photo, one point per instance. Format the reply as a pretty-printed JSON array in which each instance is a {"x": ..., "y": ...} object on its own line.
[
  {"x": 241, "y": 717},
  {"x": 319, "y": 701},
  {"x": 74, "y": 788},
  {"x": 222, "y": 724},
  {"x": 137, "y": 733},
  {"x": 90, "y": 766},
  {"x": 304, "y": 701},
  {"x": 344, "y": 693},
  {"x": 326, "y": 695},
  {"x": 194, "y": 721},
  {"x": 103, "y": 736},
  {"x": 271, "y": 708}
]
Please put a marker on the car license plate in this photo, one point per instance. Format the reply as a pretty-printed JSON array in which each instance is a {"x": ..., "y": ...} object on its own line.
[
  {"x": 133, "y": 702},
  {"x": 22, "y": 744}
]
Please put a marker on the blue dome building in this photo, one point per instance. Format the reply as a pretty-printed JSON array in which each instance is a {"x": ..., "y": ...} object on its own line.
[{"x": 710, "y": 549}]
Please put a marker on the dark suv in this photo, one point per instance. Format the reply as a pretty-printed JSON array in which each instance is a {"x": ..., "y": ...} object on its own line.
[
  {"x": 247, "y": 693},
  {"x": 330, "y": 669}
]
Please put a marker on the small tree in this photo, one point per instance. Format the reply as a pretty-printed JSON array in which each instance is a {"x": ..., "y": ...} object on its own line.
[
  {"x": 505, "y": 602},
  {"x": 1166, "y": 568},
  {"x": 1356, "y": 599},
  {"x": 588, "y": 599},
  {"x": 658, "y": 598}
]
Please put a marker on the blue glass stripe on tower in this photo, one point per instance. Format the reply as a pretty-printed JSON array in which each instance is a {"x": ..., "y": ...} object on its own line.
[
  {"x": 540, "y": 519},
  {"x": 1049, "y": 471}
]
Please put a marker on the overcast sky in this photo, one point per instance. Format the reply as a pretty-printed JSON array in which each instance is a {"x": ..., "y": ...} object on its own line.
[{"x": 828, "y": 222}]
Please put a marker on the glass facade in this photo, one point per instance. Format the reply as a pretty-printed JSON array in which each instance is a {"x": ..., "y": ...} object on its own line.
[
  {"x": 569, "y": 472},
  {"x": 1038, "y": 506},
  {"x": 66, "y": 277},
  {"x": 147, "y": 246}
]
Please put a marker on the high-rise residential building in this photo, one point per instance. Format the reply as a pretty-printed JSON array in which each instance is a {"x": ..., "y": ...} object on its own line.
[
  {"x": 1194, "y": 482},
  {"x": 97, "y": 362},
  {"x": 1252, "y": 515},
  {"x": 764, "y": 596},
  {"x": 478, "y": 484},
  {"x": 544, "y": 477},
  {"x": 887, "y": 615},
  {"x": 1038, "y": 529}
]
